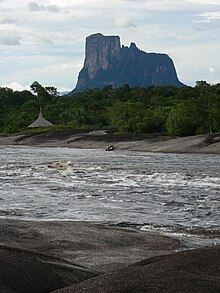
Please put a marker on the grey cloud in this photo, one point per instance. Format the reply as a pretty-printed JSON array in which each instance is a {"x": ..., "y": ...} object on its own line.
[
  {"x": 35, "y": 7},
  {"x": 9, "y": 39},
  {"x": 53, "y": 8},
  {"x": 124, "y": 23},
  {"x": 8, "y": 20}
]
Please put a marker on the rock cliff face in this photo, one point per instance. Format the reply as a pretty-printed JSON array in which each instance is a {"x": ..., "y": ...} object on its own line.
[{"x": 109, "y": 63}]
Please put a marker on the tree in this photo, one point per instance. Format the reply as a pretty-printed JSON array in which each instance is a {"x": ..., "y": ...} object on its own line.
[
  {"x": 52, "y": 91},
  {"x": 202, "y": 84},
  {"x": 44, "y": 95},
  {"x": 37, "y": 88},
  {"x": 127, "y": 116},
  {"x": 182, "y": 120}
]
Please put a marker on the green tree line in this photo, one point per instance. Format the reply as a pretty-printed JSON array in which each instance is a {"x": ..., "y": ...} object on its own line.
[{"x": 156, "y": 109}]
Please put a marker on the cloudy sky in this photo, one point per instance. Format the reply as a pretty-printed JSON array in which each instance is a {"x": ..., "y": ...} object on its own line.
[{"x": 44, "y": 40}]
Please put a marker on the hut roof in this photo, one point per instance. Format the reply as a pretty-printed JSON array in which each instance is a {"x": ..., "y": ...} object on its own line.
[{"x": 40, "y": 122}]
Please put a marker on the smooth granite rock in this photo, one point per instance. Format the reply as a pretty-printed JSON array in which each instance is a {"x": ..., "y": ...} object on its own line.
[{"x": 193, "y": 271}]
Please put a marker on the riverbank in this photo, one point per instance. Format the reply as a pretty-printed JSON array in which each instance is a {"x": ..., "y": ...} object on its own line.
[
  {"x": 101, "y": 139},
  {"x": 40, "y": 256}
]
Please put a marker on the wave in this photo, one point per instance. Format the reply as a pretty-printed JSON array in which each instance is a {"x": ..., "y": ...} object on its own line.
[{"x": 181, "y": 231}]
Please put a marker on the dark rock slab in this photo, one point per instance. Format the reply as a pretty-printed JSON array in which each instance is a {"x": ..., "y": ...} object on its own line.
[
  {"x": 28, "y": 272},
  {"x": 193, "y": 271},
  {"x": 94, "y": 246}
]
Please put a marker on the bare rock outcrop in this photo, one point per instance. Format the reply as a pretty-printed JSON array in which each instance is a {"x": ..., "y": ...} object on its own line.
[{"x": 109, "y": 63}]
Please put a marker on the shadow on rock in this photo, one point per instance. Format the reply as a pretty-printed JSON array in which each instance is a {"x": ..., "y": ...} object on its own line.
[{"x": 29, "y": 272}]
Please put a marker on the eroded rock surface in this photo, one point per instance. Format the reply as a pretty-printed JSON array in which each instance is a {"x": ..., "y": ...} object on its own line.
[{"x": 109, "y": 63}]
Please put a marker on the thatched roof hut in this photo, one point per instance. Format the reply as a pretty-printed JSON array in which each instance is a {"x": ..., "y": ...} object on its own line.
[{"x": 40, "y": 122}]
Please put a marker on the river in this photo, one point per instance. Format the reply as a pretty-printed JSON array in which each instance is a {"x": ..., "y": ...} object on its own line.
[{"x": 173, "y": 193}]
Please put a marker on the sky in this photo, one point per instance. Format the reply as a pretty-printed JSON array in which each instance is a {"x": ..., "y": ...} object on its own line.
[{"x": 44, "y": 40}]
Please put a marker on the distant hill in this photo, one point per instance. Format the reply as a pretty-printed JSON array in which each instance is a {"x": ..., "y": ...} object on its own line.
[{"x": 109, "y": 63}]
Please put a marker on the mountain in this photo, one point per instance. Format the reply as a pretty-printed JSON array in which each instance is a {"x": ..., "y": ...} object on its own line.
[{"x": 109, "y": 63}]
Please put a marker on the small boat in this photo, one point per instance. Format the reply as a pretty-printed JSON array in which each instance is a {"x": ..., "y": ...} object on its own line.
[{"x": 110, "y": 148}]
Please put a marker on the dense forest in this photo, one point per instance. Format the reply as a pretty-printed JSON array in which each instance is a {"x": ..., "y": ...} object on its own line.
[{"x": 157, "y": 109}]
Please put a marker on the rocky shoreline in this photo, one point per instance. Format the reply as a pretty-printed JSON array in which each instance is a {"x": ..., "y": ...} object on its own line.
[
  {"x": 101, "y": 139},
  {"x": 59, "y": 256},
  {"x": 38, "y": 256}
]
